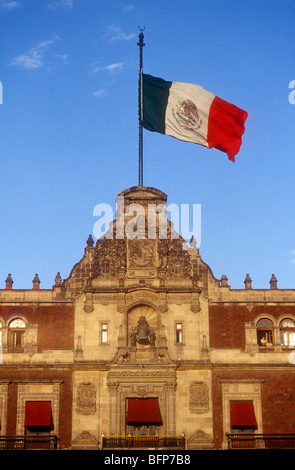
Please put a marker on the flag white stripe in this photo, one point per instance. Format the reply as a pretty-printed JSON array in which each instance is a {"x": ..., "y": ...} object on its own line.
[{"x": 187, "y": 112}]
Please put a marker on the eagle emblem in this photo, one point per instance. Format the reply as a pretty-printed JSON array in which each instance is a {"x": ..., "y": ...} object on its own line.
[{"x": 187, "y": 116}]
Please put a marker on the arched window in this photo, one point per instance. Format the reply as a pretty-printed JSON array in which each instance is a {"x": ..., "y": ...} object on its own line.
[
  {"x": 0, "y": 333},
  {"x": 17, "y": 328},
  {"x": 265, "y": 332},
  {"x": 287, "y": 331}
]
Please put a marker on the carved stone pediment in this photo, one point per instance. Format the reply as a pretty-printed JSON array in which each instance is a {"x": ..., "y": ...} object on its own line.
[
  {"x": 200, "y": 440},
  {"x": 154, "y": 254},
  {"x": 85, "y": 440}
]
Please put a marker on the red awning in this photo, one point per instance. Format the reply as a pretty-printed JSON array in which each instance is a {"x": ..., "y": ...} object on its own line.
[
  {"x": 242, "y": 414},
  {"x": 144, "y": 411},
  {"x": 38, "y": 413}
]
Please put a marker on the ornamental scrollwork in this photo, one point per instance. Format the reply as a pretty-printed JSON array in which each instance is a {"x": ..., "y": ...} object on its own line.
[
  {"x": 86, "y": 398},
  {"x": 199, "y": 397}
]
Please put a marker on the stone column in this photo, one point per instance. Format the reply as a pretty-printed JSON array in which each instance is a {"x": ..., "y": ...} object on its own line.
[
  {"x": 113, "y": 412},
  {"x": 171, "y": 407}
]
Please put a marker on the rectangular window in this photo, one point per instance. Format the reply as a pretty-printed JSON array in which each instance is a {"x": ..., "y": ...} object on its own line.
[
  {"x": 104, "y": 333},
  {"x": 16, "y": 338},
  {"x": 179, "y": 333},
  {"x": 287, "y": 338}
]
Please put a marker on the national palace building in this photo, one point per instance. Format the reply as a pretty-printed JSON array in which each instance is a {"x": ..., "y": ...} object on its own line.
[{"x": 142, "y": 347}]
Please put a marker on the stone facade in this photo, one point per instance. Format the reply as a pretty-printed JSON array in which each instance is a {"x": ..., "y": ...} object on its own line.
[{"x": 144, "y": 317}]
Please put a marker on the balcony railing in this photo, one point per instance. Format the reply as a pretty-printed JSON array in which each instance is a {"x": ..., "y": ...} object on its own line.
[
  {"x": 151, "y": 442},
  {"x": 261, "y": 441},
  {"x": 28, "y": 442}
]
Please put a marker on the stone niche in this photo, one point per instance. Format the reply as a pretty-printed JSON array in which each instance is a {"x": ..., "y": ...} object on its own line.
[{"x": 142, "y": 339}]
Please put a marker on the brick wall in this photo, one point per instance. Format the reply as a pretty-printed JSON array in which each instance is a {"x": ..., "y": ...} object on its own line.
[
  {"x": 47, "y": 375},
  {"x": 227, "y": 322},
  {"x": 277, "y": 399},
  {"x": 55, "y": 323}
]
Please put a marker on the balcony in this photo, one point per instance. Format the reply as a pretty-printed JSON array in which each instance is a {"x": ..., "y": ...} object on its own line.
[
  {"x": 143, "y": 442},
  {"x": 261, "y": 441},
  {"x": 28, "y": 442}
]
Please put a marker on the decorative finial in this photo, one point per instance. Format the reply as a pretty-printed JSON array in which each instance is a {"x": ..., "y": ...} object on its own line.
[
  {"x": 273, "y": 282},
  {"x": 9, "y": 282},
  {"x": 36, "y": 282},
  {"x": 141, "y": 36},
  {"x": 248, "y": 282},
  {"x": 223, "y": 281},
  {"x": 58, "y": 279},
  {"x": 90, "y": 241},
  {"x": 193, "y": 243}
]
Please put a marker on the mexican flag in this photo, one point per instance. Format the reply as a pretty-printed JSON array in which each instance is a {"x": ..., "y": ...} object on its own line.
[{"x": 190, "y": 113}]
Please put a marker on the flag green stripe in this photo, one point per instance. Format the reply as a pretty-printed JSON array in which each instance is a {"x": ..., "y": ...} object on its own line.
[{"x": 155, "y": 99}]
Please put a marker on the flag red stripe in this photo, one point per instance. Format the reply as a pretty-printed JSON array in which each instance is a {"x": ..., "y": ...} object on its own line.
[{"x": 226, "y": 127}]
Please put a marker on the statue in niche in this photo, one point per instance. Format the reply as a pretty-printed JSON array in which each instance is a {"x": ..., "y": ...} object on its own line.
[{"x": 163, "y": 254}]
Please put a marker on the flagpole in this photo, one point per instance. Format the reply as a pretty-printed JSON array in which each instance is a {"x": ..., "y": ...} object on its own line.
[{"x": 140, "y": 98}]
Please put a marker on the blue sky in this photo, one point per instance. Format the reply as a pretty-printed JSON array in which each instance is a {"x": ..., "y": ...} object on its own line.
[{"x": 69, "y": 128}]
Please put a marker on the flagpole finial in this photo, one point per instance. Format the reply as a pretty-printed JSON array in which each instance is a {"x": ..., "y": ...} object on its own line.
[
  {"x": 141, "y": 36},
  {"x": 141, "y": 44}
]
